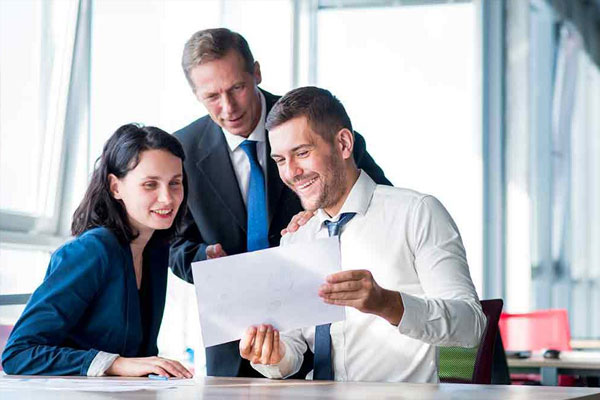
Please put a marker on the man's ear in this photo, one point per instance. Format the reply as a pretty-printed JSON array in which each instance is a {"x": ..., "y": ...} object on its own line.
[
  {"x": 345, "y": 142},
  {"x": 257, "y": 74},
  {"x": 113, "y": 185}
]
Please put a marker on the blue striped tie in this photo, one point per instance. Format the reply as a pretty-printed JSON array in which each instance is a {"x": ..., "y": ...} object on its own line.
[
  {"x": 323, "y": 368},
  {"x": 257, "y": 232}
]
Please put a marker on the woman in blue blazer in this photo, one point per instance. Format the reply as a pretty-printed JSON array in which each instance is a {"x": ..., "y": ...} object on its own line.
[{"x": 99, "y": 308}]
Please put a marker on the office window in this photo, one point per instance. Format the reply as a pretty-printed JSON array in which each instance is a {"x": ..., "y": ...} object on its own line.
[
  {"x": 553, "y": 172},
  {"x": 584, "y": 197},
  {"x": 409, "y": 79},
  {"x": 36, "y": 43},
  {"x": 135, "y": 73},
  {"x": 271, "y": 43},
  {"x": 36, "y": 51}
]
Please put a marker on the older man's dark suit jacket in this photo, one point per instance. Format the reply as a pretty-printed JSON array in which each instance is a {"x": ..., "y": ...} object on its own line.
[{"x": 217, "y": 213}]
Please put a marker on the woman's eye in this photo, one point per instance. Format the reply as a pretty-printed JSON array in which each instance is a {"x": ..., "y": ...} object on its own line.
[
  {"x": 302, "y": 154},
  {"x": 150, "y": 185},
  {"x": 175, "y": 183}
]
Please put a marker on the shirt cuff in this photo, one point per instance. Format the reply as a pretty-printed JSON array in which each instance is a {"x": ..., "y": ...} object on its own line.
[
  {"x": 101, "y": 363},
  {"x": 415, "y": 316},
  {"x": 281, "y": 370}
]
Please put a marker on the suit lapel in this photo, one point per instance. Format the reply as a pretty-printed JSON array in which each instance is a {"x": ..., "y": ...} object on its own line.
[
  {"x": 274, "y": 182},
  {"x": 215, "y": 164}
]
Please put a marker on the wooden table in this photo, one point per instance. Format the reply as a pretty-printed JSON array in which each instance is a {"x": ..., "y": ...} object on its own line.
[
  {"x": 244, "y": 388},
  {"x": 569, "y": 364}
]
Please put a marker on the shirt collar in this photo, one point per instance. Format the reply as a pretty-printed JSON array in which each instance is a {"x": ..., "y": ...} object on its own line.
[
  {"x": 358, "y": 199},
  {"x": 258, "y": 134}
]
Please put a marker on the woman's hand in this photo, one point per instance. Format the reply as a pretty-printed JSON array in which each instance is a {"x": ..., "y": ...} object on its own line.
[{"x": 127, "y": 366}]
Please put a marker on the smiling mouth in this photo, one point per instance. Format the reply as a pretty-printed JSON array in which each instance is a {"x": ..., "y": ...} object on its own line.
[
  {"x": 163, "y": 213},
  {"x": 305, "y": 185}
]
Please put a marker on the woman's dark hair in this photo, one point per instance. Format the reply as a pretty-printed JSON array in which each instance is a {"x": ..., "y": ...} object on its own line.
[{"x": 121, "y": 154}]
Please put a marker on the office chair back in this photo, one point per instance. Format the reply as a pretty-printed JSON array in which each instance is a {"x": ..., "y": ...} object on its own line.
[{"x": 464, "y": 365}]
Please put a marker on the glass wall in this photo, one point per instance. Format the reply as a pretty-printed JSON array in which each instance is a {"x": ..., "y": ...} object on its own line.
[
  {"x": 553, "y": 173},
  {"x": 409, "y": 79},
  {"x": 36, "y": 43},
  {"x": 36, "y": 46}
]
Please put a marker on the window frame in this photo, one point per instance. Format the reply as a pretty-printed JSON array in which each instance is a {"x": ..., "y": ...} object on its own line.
[{"x": 22, "y": 230}]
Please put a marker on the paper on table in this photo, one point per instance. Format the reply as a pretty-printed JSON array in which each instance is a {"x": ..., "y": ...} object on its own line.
[
  {"x": 87, "y": 384},
  {"x": 277, "y": 286}
]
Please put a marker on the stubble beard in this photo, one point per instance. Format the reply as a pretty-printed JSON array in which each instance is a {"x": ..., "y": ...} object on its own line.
[{"x": 332, "y": 185}]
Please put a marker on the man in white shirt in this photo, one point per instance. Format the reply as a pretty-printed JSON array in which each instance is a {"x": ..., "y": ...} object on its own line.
[{"x": 405, "y": 281}]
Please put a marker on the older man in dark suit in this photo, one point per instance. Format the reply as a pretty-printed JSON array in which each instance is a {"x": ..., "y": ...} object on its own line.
[{"x": 236, "y": 200}]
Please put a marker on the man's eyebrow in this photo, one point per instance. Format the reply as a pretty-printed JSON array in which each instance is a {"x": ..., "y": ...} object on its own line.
[
  {"x": 240, "y": 82},
  {"x": 273, "y": 155}
]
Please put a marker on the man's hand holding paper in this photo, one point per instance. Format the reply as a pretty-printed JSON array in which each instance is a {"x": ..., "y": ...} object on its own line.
[
  {"x": 261, "y": 345},
  {"x": 358, "y": 289}
]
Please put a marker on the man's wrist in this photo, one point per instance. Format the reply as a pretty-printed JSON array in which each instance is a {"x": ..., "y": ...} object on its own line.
[{"x": 393, "y": 307}]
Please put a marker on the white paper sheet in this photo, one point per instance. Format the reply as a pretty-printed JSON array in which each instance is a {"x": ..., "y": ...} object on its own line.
[
  {"x": 277, "y": 286},
  {"x": 86, "y": 384}
]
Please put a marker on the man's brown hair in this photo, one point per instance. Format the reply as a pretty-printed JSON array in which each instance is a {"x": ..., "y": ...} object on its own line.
[{"x": 325, "y": 113}]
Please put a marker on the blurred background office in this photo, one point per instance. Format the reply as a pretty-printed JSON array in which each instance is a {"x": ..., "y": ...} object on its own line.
[{"x": 491, "y": 105}]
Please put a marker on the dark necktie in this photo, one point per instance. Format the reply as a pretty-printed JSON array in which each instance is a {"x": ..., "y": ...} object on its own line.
[
  {"x": 257, "y": 232},
  {"x": 323, "y": 368}
]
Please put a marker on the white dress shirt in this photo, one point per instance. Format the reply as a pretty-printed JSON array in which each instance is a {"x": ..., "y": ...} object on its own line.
[
  {"x": 411, "y": 245},
  {"x": 239, "y": 159}
]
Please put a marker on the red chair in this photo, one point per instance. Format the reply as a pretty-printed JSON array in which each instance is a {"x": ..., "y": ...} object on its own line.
[
  {"x": 537, "y": 330},
  {"x": 534, "y": 331}
]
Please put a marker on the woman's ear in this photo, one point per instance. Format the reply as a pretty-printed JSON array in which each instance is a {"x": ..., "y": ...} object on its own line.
[
  {"x": 345, "y": 139},
  {"x": 114, "y": 186}
]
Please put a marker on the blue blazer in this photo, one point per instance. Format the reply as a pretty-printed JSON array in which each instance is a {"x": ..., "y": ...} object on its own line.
[{"x": 89, "y": 302}]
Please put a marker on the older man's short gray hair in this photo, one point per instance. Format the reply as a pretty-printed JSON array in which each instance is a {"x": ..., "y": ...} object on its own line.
[{"x": 212, "y": 44}]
